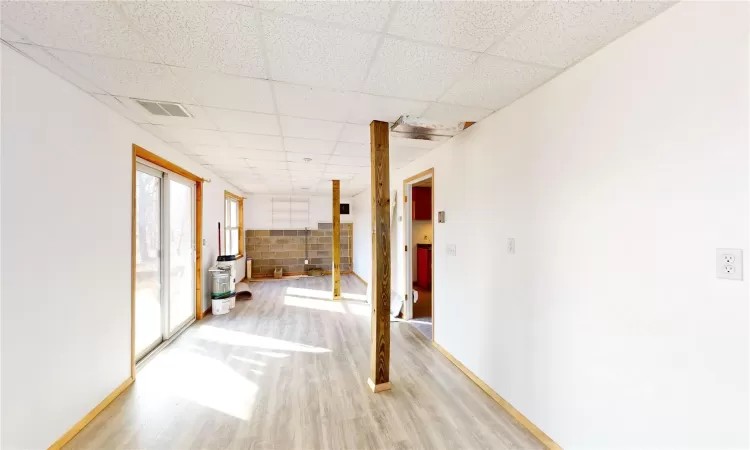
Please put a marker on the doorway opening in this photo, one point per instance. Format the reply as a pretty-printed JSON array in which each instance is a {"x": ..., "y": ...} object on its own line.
[
  {"x": 165, "y": 258},
  {"x": 419, "y": 240}
]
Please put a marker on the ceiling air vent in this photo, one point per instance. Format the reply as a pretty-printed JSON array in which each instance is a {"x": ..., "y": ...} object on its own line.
[{"x": 164, "y": 109}]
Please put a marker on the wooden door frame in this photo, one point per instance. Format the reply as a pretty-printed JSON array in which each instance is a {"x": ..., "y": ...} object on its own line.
[
  {"x": 429, "y": 173},
  {"x": 140, "y": 152}
]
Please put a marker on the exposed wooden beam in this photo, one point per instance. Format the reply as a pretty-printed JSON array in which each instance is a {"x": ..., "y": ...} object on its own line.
[
  {"x": 380, "y": 331},
  {"x": 336, "y": 239}
]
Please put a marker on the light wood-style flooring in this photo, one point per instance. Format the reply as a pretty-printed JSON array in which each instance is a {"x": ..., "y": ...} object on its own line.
[{"x": 289, "y": 369}]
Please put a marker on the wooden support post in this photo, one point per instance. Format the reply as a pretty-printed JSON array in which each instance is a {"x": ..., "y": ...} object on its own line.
[
  {"x": 380, "y": 331},
  {"x": 336, "y": 240}
]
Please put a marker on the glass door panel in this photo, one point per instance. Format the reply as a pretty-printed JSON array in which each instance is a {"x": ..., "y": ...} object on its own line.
[
  {"x": 181, "y": 253},
  {"x": 148, "y": 309}
]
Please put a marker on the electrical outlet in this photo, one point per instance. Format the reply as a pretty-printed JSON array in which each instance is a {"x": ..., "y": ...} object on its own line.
[
  {"x": 451, "y": 249},
  {"x": 729, "y": 263},
  {"x": 511, "y": 245},
  {"x": 306, "y": 262}
]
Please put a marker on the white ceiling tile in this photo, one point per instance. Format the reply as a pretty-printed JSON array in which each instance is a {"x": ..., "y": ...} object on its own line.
[
  {"x": 330, "y": 168},
  {"x": 494, "y": 83},
  {"x": 561, "y": 33},
  {"x": 238, "y": 152},
  {"x": 227, "y": 91},
  {"x": 448, "y": 114},
  {"x": 349, "y": 161},
  {"x": 182, "y": 148},
  {"x": 309, "y": 146},
  {"x": 310, "y": 128},
  {"x": 224, "y": 150},
  {"x": 315, "y": 103},
  {"x": 218, "y": 36},
  {"x": 244, "y": 122},
  {"x": 194, "y": 136},
  {"x": 120, "y": 108},
  {"x": 135, "y": 79},
  {"x": 261, "y": 155},
  {"x": 8, "y": 34},
  {"x": 269, "y": 174},
  {"x": 230, "y": 175},
  {"x": 254, "y": 187},
  {"x": 373, "y": 107},
  {"x": 255, "y": 141},
  {"x": 337, "y": 176},
  {"x": 56, "y": 66},
  {"x": 303, "y": 53},
  {"x": 468, "y": 25},
  {"x": 305, "y": 176},
  {"x": 355, "y": 133},
  {"x": 300, "y": 158},
  {"x": 362, "y": 15},
  {"x": 411, "y": 70},
  {"x": 266, "y": 165},
  {"x": 352, "y": 149},
  {"x": 94, "y": 27},
  {"x": 310, "y": 167},
  {"x": 158, "y": 131},
  {"x": 240, "y": 181},
  {"x": 226, "y": 163}
]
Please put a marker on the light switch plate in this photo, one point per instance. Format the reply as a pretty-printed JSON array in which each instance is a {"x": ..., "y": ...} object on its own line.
[
  {"x": 729, "y": 263},
  {"x": 511, "y": 245},
  {"x": 451, "y": 249}
]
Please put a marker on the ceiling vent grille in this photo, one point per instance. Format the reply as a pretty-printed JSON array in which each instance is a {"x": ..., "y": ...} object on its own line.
[{"x": 164, "y": 109}]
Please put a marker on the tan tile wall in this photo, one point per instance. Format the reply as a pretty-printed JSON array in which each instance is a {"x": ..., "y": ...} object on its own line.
[{"x": 269, "y": 249}]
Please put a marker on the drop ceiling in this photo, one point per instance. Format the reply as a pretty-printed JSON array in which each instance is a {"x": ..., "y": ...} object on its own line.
[{"x": 280, "y": 94}]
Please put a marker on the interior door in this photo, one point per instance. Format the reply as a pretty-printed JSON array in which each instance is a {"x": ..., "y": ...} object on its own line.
[
  {"x": 181, "y": 199},
  {"x": 148, "y": 261}
]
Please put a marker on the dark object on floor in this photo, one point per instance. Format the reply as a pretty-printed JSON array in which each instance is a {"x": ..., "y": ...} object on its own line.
[{"x": 244, "y": 295}]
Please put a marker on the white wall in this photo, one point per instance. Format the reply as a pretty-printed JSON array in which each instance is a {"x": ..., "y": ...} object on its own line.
[
  {"x": 618, "y": 179},
  {"x": 66, "y": 201},
  {"x": 362, "y": 239},
  {"x": 258, "y": 209}
]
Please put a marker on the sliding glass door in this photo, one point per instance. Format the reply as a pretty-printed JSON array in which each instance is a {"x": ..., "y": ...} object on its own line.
[
  {"x": 165, "y": 256},
  {"x": 148, "y": 263},
  {"x": 181, "y": 253}
]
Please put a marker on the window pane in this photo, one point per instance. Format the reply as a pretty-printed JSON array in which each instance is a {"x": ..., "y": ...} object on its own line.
[
  {"x": 228, "y": 241},
  {"x": 234, "y": 249},
  {"x": 233, "y": 214}
]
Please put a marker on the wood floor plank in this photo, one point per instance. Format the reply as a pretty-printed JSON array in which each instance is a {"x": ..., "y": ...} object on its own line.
[{"x": 288, "y": 370}]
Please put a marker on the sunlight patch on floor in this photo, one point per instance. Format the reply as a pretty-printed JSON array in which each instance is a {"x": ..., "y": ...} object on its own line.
[
  {"x": 312, "y": 293},
  {"x": 312, "y": 303},
  {"x": 358, "y": 297},
  {"x": 323, "y": 295},
  {"x": 273, "y": 354},
  {"x": 358, "y": 309},
  {"x": 231, "y": 337},
  {"x": 202, "y": 380},
  {"x": 248, "y": 360}
]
